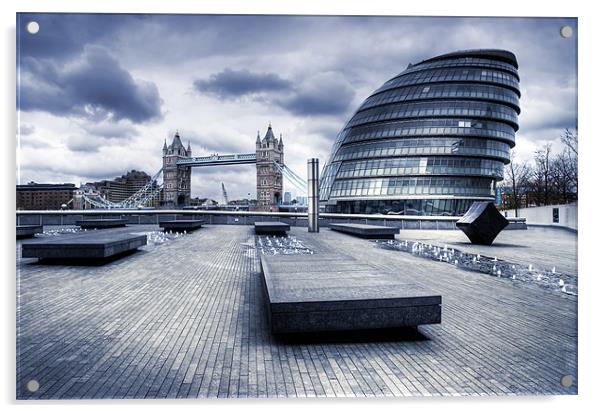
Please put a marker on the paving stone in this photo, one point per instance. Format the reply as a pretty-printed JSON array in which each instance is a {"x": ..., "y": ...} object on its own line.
[{"x": 187, "y": 319}]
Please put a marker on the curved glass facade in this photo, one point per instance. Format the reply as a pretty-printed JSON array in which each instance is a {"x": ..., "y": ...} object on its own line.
[{"x": 429, "y": 141}]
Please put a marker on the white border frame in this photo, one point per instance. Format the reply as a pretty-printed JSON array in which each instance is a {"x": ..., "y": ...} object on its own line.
[{"x": 589, "y": 284}]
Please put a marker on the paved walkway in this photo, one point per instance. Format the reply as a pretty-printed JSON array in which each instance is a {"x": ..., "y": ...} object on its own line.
[{"x": 187, "y": 319}]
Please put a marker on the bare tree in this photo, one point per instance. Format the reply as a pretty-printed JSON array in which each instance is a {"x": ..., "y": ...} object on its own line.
[
  {"x": 517, "y": 175},
  {"x": 560, "y": 185},
  {"x": 570, "y": 139},
  {"x": 542, "y": 174}
]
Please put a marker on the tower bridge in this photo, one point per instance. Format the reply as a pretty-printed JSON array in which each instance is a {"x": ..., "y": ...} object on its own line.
[
  {"x": 176, "y": 174},
  {"x": 268, "y": 158}
]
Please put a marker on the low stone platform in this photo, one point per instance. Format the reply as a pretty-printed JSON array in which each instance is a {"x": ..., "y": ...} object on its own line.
[
  {"x": 271, "y": 228},
  {"x": 366, "y": 231},
  {"x": 320, "y": 293},
  {"x": 91, "y": 246},
  {"x": 516, "y": 223},
  {"x": 181, "y": 225},
  {"x": 101, "y": 223},
  {"x": 28, "y": 231}
]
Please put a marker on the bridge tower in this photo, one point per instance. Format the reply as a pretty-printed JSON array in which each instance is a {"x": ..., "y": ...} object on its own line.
[
  {"x": 269, "y": 177},
  {"x": 176, "y": 178}
]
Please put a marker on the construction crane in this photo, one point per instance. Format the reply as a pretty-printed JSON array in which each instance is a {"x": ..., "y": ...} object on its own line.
[{"x": 224, "y": 194}]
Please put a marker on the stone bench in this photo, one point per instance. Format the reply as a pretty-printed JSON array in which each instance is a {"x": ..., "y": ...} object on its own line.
[
  {"x": 271, "y": 228},
  {"x": 28, "y": 231},
  {"x": 83, "y": 247},
  {"x": 516, "y": 223},
  {"x": 181, "y": 225},
  {"x": 366, "y": 231},
  {"x": 321, "y": 293},
  {"x": 101, "y": 223}
]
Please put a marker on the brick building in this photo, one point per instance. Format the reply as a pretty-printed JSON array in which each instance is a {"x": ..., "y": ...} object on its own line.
[{"x": 34, "y": 196}]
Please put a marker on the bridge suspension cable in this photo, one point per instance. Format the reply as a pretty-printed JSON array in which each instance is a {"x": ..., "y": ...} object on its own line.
[
  {"x": 140, "y": 198},
  {"x": 98, "y": 201},
  {"x": 292, "y": 177},
  {"x": 145, "y": 194}
]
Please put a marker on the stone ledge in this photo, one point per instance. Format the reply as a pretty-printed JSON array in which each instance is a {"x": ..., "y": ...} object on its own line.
[
  {"x": 181, "y": 225},
  {"x": 366, "y": 231},
  {"x": 101, "y": 223},
  {"x": 312, "y": 300},
  {"x": 28, "y": 231},
  {"x": 89, "y": 246},
  {"x": 271, "y": 228}
]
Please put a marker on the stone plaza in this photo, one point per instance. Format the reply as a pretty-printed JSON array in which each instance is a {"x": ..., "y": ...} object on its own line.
[{"x": 186, "y": 317}]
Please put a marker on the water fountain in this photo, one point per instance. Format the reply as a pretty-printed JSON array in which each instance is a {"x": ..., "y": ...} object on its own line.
[{"x": 493, "y": 266}]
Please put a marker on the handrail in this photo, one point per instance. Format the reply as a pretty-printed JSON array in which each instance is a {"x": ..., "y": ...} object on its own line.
[{"x": 249, "y": 213}]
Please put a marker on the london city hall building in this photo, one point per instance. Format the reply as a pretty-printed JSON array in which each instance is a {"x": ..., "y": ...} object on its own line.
[{"x": 430, "y": 141}]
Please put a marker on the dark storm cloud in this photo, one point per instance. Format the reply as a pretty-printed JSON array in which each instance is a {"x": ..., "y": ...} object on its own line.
[
  {"x": 322, "y": 94},
  {"x": 237, "y": 83},
  {"x": 63, "y": 35},
  {"x": 94, "y": 86}
]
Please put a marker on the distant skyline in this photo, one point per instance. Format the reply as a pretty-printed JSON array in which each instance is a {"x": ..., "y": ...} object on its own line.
[{"x": 98, "y": 94}]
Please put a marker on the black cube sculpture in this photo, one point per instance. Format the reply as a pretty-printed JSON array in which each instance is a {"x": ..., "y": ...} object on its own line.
[{"x": 482, "y": 223}]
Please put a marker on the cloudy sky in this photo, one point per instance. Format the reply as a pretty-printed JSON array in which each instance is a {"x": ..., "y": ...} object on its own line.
[{"x": 98, "y": 94}]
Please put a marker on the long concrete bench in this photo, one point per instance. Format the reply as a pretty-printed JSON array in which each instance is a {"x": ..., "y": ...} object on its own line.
[
  {"x": 28, "y": 231},
  {"x": 92, "y": 246},
  {"x": 271, "y": 228},
  {"x": 366, "y": 231},
  {"x": 314, "y": 293},
  {"x": 181, "y": 225},
  {"x": 101, "y": 223}
]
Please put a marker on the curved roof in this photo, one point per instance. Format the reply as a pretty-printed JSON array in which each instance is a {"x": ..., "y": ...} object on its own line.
[{"x": 496, "y": 54}]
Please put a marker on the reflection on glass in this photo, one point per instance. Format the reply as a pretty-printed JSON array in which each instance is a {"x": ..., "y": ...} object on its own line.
[{"x": 430, "y": 141}]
